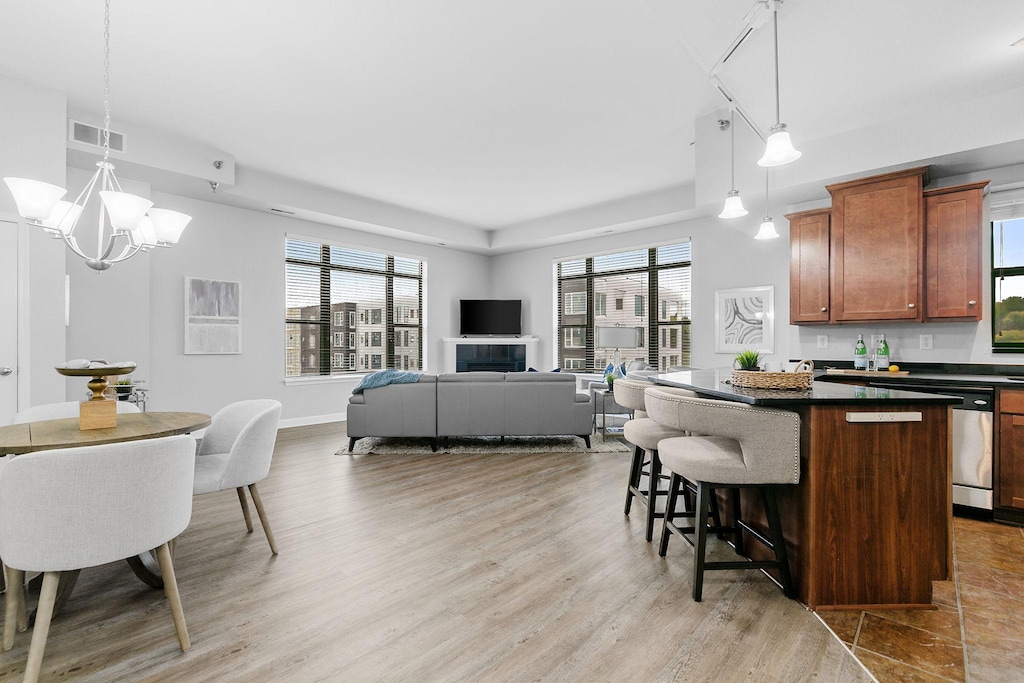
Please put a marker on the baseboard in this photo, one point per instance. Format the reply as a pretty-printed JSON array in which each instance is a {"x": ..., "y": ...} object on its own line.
[{"x": 311, "y": 420}]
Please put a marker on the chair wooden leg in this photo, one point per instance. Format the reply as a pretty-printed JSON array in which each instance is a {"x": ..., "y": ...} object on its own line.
[
  {"x": 704, "y": 493},
  {"x": 634, "y": 476},
  {"x": 652, "y": 493},
  {"x": 674, "y": 483},
  {"x": 771, "y": 508},
  {"x": 171, "y": 591},
  {"x": 263, "y": 517},
  {"x": 44, "y": 612},
  {"x": 737, "y": 534},
  {"x": 14, "y": 607},
  {"x": 245, "y": 508}
]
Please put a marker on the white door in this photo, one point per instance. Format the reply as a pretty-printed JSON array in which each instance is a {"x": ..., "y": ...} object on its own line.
[{"x": 8, "y": 321}]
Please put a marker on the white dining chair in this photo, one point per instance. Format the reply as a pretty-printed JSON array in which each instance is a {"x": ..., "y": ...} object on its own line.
[
  {"x": 68, "y": 509},
  {"x": 57, "y": 411},
  {"x": 235, "y": 453}
]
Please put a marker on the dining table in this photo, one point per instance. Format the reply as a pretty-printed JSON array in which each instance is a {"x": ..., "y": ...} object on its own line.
[{"x": 30, "y": 437}]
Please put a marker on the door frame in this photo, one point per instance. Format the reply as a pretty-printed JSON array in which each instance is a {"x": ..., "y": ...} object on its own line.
[{"x": 23, "y": 347}]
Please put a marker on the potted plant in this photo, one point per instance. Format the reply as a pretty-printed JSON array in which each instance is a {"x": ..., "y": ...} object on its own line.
[
  {"x": 748, "y": 360},
  {"x": 123, "y": 387}
]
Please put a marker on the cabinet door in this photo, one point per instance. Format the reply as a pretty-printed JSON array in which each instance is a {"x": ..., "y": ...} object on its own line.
[
  {"x": 808, "y": 267},
  {"x": 953, "y": 244},
  {"x": 1009, "y": 482},
  {"x": 878, "y": 248}
]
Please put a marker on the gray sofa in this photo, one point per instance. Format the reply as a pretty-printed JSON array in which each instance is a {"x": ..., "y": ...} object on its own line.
[{"x": 473, "y": 404}]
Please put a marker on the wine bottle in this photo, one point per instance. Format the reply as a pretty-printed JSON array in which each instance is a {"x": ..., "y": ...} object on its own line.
[
  {"x": 860, "y": 354},
  {"x": 882, "y": 354}
]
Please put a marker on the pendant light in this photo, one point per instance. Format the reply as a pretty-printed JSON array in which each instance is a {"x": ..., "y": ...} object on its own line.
[
  {"x": 132, "y": 220},
  {"x": 733, "y": 204},
  {"x": 779, "y": 148},
  {"x": 767, "y": 230}
]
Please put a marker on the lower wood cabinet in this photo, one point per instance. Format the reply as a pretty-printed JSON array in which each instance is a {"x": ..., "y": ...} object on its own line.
[{"x": 1009, "y": 466}]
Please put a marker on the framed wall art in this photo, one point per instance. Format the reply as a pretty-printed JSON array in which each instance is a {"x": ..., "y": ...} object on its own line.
[
  {"x": 212, "y": 317},
  {"x": 745, "y": 319}
]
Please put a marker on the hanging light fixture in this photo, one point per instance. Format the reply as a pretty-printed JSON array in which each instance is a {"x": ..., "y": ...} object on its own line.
[
  {"x": 134, "y": 225},
  {"x": 767, "y": 230},
  {"x": 733, "y": 204},
  {"x": 779, "y": 148}
]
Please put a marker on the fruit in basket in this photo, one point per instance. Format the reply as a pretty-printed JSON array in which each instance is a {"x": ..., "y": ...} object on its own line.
[{"x": 894, "y": 368}]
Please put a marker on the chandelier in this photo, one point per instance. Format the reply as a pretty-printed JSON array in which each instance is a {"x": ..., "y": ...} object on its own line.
[{"x": 134, "y": 225}]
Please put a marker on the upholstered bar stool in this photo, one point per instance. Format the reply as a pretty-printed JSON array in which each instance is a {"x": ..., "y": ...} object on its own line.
[
  {"x": 740, "y": 446},
  {"x": 644, "y": 434}
]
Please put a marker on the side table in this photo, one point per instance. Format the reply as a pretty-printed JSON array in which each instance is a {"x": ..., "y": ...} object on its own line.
[{"x": 604, "y": 400}]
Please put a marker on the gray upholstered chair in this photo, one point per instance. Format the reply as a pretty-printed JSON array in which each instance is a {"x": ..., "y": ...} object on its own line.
[
  {"x": 644, "y": 434},
  {"x": 74, "y": 508},
  {"x": 236, "y": 452},
  {"x": 57, "y": 411},
  {"x": 741, "y": 446}
]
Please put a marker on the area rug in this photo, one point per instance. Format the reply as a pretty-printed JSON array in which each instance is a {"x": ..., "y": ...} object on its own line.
[{"x": 382, "y": 445}]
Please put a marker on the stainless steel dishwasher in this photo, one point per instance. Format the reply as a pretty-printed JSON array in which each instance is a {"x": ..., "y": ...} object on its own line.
[{"x": 972, "y": 440}]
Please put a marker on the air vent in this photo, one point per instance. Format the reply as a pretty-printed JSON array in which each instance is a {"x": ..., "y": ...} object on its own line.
[
  {"x": 281, "y": 211},
  {"x": 92, "y": 135}
]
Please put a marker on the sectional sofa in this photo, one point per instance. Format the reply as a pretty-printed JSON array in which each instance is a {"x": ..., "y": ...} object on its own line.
[{"x": 473, "y": 404}]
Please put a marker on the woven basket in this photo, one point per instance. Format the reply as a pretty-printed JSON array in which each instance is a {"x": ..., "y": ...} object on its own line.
[{"x": 800, "y": 378}]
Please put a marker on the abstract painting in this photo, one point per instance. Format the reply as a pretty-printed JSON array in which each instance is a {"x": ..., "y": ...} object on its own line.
[
  {"x": 211, "y": 317},
  {"x": 744, "y": 319}
]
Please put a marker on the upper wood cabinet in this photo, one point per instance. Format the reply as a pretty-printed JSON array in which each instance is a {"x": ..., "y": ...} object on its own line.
[
  {"x": 953, "y": 245},
  {"x": 888, "y": 251},
  {"x": 808, "y": 266},
  {"x": 878, "y": 247}
]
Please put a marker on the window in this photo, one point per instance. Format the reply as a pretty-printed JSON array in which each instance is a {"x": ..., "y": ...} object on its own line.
[
  {"x": 656, "y": 280},
  {"x": 327, "y": 285},
  {"x": 575, "y": 303},
  {"x": 1007, "y": 283}
]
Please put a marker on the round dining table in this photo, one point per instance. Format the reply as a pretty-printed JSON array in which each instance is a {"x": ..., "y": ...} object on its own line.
[{"x": 46, "y": 435}]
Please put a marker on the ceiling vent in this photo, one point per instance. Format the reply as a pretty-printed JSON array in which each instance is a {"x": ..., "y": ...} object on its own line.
[{"x": 93, "y": 136}]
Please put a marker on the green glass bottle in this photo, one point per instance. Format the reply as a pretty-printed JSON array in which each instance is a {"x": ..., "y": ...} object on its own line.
[
  {"x": 882, "y": 354},
  {"x": 860, "y": 354}
]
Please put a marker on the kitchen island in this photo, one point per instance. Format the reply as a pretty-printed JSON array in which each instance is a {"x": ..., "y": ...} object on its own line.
[{"x": 870, "y": 523}]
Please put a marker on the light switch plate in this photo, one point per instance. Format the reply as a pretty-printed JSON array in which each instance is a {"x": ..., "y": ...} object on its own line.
[
  {"x": 926, "y": 342},
  {"x": 822, "y": 341}
]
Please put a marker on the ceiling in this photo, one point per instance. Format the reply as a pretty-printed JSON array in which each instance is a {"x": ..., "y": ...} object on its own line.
[{"x": 498, "y": 113}]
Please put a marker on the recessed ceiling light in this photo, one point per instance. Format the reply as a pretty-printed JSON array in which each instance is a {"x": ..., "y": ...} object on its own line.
[
  {"x": 441, "y": 244},
  {"x": 281, "y": 211},
  {"x": 1019, "y": 43},
  {"x": 605, "y": 232}
]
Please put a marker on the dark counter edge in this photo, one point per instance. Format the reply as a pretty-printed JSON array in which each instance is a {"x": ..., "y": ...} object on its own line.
[{"x": 704, "y": 383}]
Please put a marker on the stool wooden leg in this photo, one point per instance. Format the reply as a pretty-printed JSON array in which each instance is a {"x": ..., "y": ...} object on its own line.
[
  {"x": 674, "y": 484},
  {"x": 652, "y": 493},
  {"x": 245, "y": 508},
  {"x": 737, "y": 534},
  {"x": 634, "y": 476},
  {"x": 771, "y": 509},
  {"x": 704, "y": 493}
]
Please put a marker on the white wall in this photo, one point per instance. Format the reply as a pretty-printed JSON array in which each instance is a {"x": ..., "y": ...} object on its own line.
[
  {"x": 227, "y": 243},
  {"x": 32, "y": 131}
]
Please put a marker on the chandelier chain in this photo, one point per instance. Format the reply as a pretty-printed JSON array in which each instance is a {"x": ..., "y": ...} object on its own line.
[{"x": 106, "y": 81}]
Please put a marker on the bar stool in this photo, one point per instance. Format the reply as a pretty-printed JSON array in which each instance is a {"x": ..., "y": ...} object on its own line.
[
  {"x": 644, "y": 434},
  {"x": 741, "y": 446}
]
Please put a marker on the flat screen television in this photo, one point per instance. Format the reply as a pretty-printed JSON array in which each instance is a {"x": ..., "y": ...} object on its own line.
[{"x": 490, "y": 316}]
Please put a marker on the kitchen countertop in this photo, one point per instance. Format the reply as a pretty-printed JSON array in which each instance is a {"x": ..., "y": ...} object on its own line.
[{"x": 713, "y": 384}]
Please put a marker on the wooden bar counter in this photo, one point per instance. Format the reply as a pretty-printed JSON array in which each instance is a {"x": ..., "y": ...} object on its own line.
[{"x": 870, "y": 523}]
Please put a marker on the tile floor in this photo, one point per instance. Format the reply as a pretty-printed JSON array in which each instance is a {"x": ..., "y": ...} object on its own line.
[{"x": 977, "y": 632}]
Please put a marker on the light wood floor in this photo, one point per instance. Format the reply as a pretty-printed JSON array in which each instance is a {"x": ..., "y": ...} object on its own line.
[{"x": 434, "y": 568}]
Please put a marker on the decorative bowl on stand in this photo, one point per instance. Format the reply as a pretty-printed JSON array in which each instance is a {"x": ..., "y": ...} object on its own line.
[{"x": 99, "y": 374}]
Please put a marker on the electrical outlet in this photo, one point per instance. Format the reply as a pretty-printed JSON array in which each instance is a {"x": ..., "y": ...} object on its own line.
[
  {"x": 874, "y": 343},
  {"x": 822, "y": 341},
  {"x": 926, "y": 342}
]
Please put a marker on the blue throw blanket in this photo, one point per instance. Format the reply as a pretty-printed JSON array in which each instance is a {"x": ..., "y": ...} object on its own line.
[{"x": 384, "y": 378}]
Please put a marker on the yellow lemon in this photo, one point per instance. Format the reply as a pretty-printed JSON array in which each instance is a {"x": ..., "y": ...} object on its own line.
[{"x": 894, "y": 368}]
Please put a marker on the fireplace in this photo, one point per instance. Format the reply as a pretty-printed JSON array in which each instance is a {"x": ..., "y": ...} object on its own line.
[{"x": 490, "y": 358}]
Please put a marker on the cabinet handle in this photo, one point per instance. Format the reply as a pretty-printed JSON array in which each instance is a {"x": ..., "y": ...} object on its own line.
[
  {"x": 971, "y": 302},
  {"x": 824, "y": 308},
  {"x": 910, "y": 305}
]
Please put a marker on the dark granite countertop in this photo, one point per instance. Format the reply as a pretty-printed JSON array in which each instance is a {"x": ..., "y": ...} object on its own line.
[
  {"x": 963, "y": 375},
  {"x": 714, "y": 384}
]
